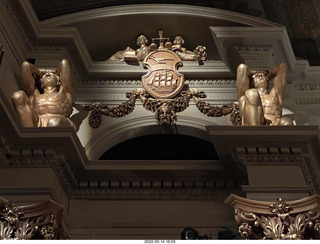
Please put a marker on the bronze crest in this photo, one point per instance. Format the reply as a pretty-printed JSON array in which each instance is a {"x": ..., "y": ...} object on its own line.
[
  {"x": 163, "y": 80},
  {"x": 163, "y": 85}
]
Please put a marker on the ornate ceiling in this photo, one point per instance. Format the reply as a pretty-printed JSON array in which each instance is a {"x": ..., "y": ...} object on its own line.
[{"x": 300, "y": 17}]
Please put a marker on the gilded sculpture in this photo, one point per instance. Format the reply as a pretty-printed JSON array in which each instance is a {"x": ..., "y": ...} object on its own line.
[
  {"x": 16, "y": 224},
  {"x": 165, "y": 110},
  {"x": 163, "y": 92},
  {"x": 198, "y": 54},
  {"x": 163, "y": 79},
  {"x": 283, "y": 222},
  {"x": 257, "y": 106},
  {"x": 130, "y": 55},
  {"x": 46, "y": 100},
  {"x": 97, "y": 109}
]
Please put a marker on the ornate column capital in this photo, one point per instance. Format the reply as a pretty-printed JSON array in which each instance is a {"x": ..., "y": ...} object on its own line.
[
  {"x": 36, "y": 221},
  {"x": 279, "y": 220}
]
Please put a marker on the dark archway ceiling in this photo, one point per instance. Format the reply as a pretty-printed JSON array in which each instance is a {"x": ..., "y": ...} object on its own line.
[
  {"x": 162, "y": 147},
  {"x": 300, "y": 17}
]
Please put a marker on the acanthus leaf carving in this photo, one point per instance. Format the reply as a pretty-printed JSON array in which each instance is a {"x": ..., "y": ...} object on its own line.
[
  {"x": 281, "y": 224},
  {"x": 14, "y": 225}
]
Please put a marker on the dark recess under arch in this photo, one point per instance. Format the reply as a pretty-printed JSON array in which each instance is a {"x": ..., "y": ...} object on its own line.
[{"x": 162, "y": 147}]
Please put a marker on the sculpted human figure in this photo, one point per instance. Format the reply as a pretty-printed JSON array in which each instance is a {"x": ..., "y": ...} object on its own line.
[
  {"x": 182, "y": 52},
  {"x": 257, "y": 106},
  {"x": 119, "y": 56},
  {"x": 49, "y": 108},
  {"x": 165, "y": 114},
  {"x": 143, "y": 51},
  {"x": 198, "y": 54},
  {"x": 130, "y": 54}
]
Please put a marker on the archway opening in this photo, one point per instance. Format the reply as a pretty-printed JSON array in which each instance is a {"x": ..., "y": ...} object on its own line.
[{"x": 162, "y": 147}]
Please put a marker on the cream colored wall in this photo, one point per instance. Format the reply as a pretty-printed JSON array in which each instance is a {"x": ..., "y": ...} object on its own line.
[{"x": 153, "y": 219}]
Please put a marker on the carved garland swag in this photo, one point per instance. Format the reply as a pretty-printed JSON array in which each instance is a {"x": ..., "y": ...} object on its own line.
[{"x": 165, "y": 109}]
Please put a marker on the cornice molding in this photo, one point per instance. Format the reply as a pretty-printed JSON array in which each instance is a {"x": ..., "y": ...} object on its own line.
[
  {"x": 263, "y": 207},
  {"x": 273, "y": 38},
  {"x": 307, "y": 87},
  {"x": 217, "y": 90},
  {"x": 266, "y": 154},
  {"x": 50, "y": 192},
  {"x": 132, "y": 83},
  {"x": 252, "y": 35},
  {"x": 271, "y": 159},
  {"x": 276, "y": 188},
  {"x": 154, "y": 194}
]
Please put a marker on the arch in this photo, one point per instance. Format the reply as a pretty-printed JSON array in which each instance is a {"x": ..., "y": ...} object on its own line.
[
  {"x": 142, "y": 126},
  {"x": 162, "y": 147},
  {"x": 150, "y": 9}
]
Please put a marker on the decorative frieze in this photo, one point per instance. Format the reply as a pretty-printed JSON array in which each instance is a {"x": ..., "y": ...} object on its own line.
[
  {"x": 257, "y": 57},
  {"x": 213, "y": 83},
  {"x": 254, "y": 48},
  {"x": 210, "y": 83},
  {"x": 137, "y": 83},
  {"x": 269, "y": 155},
  {"x": 271, "y": 159},
  {"x": 307, "y": 87},
  {"x": 121, "y": 83},
  {"x": 152, "y": 194},
  {"x": 168, "y": 188}
]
